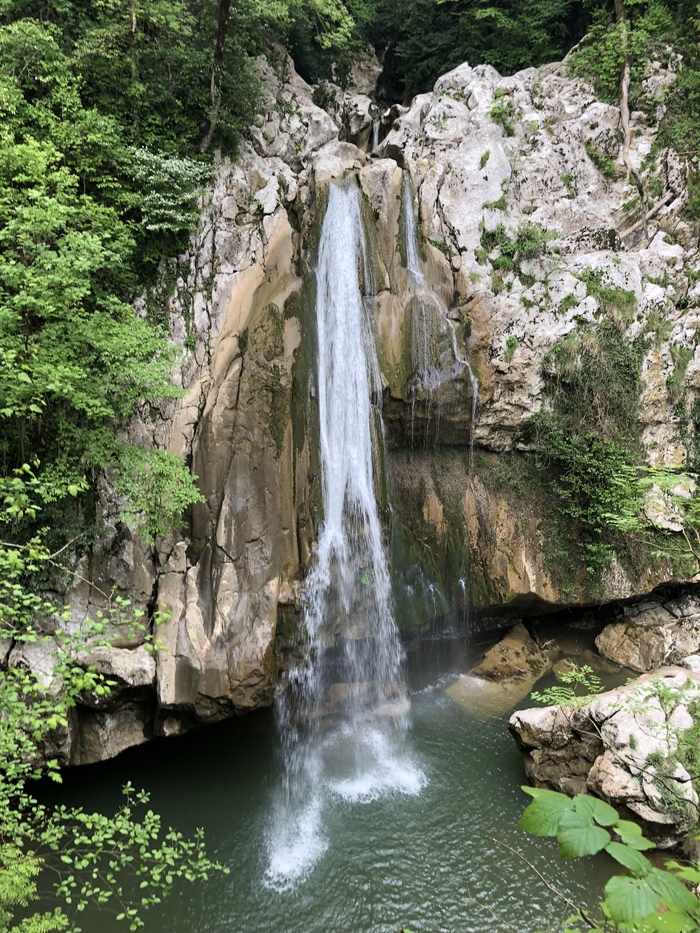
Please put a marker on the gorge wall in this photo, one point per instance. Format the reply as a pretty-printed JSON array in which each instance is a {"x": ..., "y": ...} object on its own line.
[{"x": 483, "y": 156}]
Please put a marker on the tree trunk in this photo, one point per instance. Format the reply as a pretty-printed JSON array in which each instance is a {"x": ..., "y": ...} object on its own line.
[
  {"x": 624, "y": 96},
  {"x": 221, "y": 34}
]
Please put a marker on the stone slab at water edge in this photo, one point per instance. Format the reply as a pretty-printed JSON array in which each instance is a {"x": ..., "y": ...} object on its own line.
[
  {"x": 653, "y": 633},
  {"x": 635, "y": 747}
]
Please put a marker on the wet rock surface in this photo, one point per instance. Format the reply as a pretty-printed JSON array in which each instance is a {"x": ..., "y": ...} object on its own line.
[
  {"x": 503, "y": 677},
  {"x": 653, "y": 633}
]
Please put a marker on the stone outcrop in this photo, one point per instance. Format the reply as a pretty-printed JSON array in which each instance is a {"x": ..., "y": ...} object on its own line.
[
  {"x": 625, "y": 746},
  {"x": 653, "y": 633},
  {"x": 507, "y": 672},
  {"x": 478, "y": 152},
  {"x": 489, "y": 154}
]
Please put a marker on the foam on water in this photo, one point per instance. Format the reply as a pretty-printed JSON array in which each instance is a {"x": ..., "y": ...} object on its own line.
[
  {"x": 295, "y": 845},
  {"x": 384, "y": 772}
]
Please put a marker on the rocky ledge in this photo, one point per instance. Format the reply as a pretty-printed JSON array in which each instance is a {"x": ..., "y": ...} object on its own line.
[{"x": 635, "y": 747}]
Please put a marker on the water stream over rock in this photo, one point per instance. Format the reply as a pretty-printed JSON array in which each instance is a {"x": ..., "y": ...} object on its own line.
[
  {"x": 346, "y": 703},
  {"x": 429, "y": 323}
]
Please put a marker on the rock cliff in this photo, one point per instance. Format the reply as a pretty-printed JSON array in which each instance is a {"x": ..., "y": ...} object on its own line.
[{"x": 475, "y": 161}]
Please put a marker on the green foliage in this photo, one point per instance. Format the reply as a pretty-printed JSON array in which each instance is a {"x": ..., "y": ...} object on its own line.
[
  {"x": 568, "y": 180},
  {"x": 581, "y": 676},
  {"x": 126, "y": 862},
  {"x": 324, "y": 36},
  {"x": 602, "y": 162},
  {"x": 649, "y": 24},
  {"x": 568, "y": 302},
  {"x": 500, "y": 205},
  {"x": 681, "y": 357},
  {"x": 681, "y": 126},
  {"x": 640, "y": 896},
  {"x": 618, "y": 303},
  {"x": 422, "y": 39},
  {"x": 158, "y": 487},
  {"x": 93, "y": 858},
  {"x": 585, "y": 478},
  {"x": 503, "y": 112},
  {"x": 530, "y": 242},
  {"x": 98, "y": 123},
  {"x": 675, "y": 492},
  {"x": 588, "y": 440},
  {"x": 654, "y": 28},
  {"x": 688, "y": 750},
  {"x": 512, "y": 343}
]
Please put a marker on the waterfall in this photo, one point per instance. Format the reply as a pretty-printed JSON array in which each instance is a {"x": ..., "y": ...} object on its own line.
[
  {"x": 429, "y": 321},
  {"x": 375, "y": 135},
  {"x": 349, "y": 380},
  {"x": 341, "y": 732}
]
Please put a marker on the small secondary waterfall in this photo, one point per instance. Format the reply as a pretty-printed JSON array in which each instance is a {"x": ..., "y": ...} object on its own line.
[
  {"x": 429, "y": 321},
  {"x": 342, "y": 734}
]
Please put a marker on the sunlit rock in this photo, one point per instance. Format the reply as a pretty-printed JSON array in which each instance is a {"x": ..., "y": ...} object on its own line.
[{"x": 622, "y": 746}]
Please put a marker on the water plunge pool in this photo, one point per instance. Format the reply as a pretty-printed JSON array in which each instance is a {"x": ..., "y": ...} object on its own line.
[{"x": 423, "y": 855}]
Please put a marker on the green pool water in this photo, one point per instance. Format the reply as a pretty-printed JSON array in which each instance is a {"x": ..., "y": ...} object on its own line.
[{"x": 420, "y": 849}]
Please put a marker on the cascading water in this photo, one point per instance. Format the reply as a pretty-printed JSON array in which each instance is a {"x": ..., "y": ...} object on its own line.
[
  {"x": 429, "y": 322},
  {"x": 341, "y": 734},
  {"x": 375, "y": 135}
]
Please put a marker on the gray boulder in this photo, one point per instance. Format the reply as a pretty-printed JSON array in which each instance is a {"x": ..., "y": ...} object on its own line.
[{"x": 625, "y": 746}]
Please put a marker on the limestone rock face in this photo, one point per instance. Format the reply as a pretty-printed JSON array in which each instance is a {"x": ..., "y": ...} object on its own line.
[
  {"x": 490, "y": 157},
  {"x": 539, "y": 169},
  {"x": 653, "y": 634},
  {"x": 624, "y": 746}
]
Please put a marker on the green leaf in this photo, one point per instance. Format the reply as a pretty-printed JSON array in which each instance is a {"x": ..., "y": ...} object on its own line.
[
  {"x": 628, "y": 900},
  {"x": 629, "y": 857},
  {"x": 631, "y": 835},
  {"x": 673, "y": 891},
  {"x": 596, "y": 809},
  {"x": 541, "y": 817},
  {"x": 671, "y": 922},
  {"x": 578, "y": 836}
]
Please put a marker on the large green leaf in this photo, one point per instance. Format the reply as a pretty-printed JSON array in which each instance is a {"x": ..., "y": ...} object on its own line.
[
  {"x": 629, "y": 899},
  {"x": 631, "y": 835},
  {"x": 629, "y": 857},
  {"x": 670, "y": 922},
  {"x": 596, "y": 809},
  {"x": 686, "y": 872},
  {"x": 578, "y": 835},
  {"x": 541, "y": 818},
  {"x": 673, "y": 892}
]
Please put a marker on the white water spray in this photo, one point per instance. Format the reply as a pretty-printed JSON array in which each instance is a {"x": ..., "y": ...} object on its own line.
[{"x": 354, "y": 655}]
